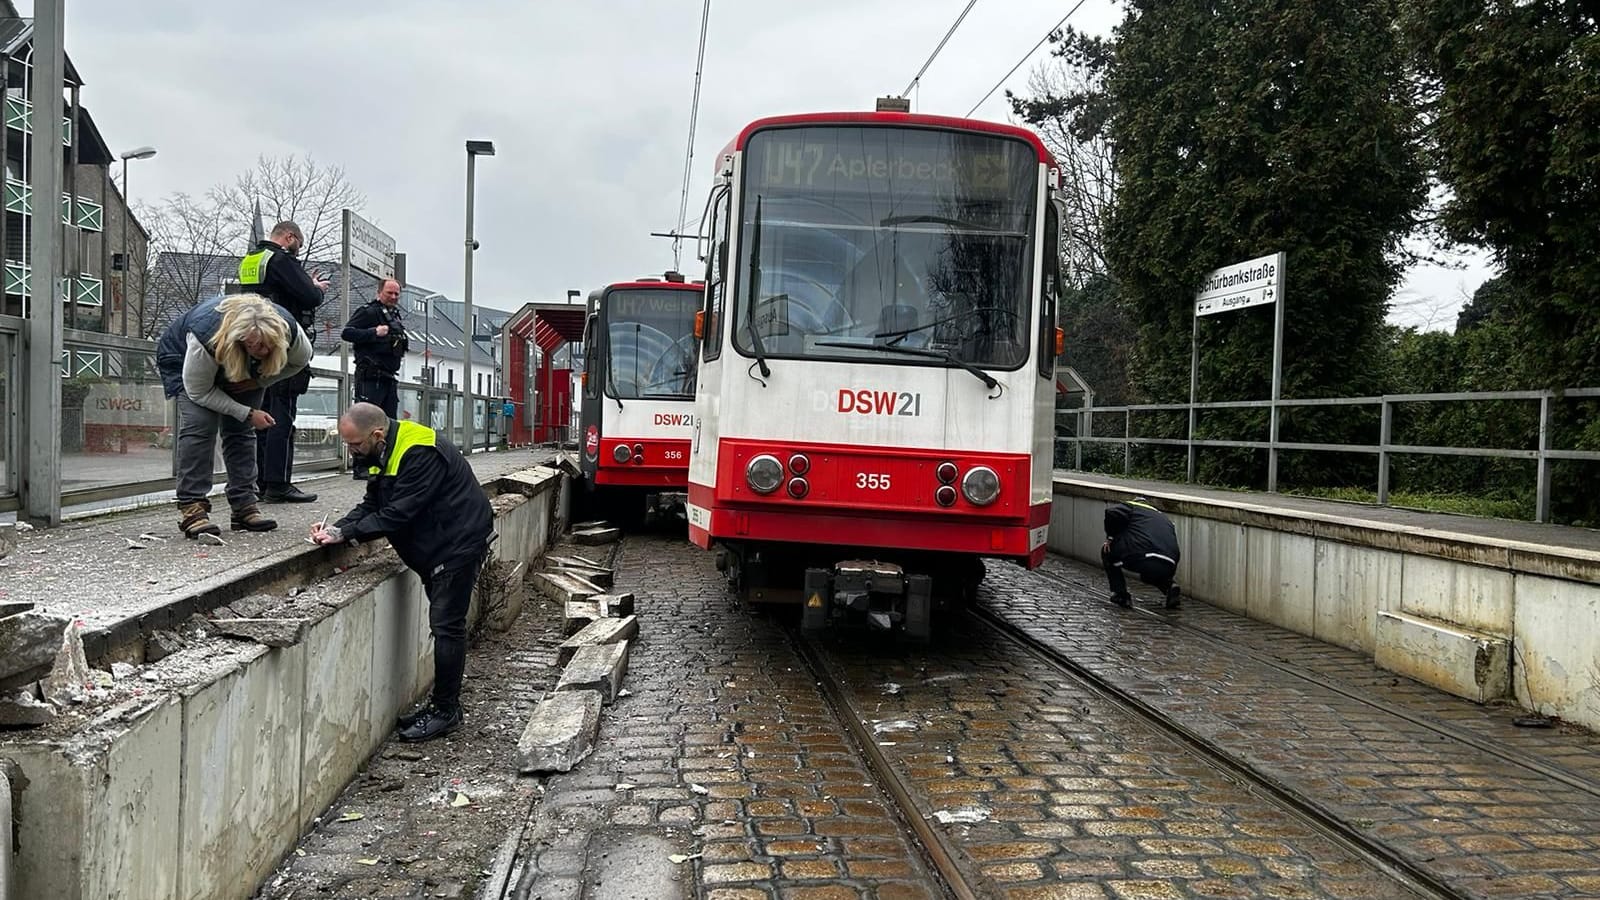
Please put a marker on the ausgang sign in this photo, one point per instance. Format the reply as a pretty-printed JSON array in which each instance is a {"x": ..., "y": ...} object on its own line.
[
  {"x": 1254, "y": 283},
  {"x": 371, "y": 250}
]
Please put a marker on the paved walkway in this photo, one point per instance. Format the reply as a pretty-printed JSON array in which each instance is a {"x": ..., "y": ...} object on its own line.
[
  {"x": 1547, "y": 536},
  {"x": 104, "y": 569}
]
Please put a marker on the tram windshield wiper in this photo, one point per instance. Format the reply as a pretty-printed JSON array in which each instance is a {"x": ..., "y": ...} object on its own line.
[
  {"x": 964, "y": 224},
  {"x": 756, "y": 343},
  {"x": 951, "y": 358}
]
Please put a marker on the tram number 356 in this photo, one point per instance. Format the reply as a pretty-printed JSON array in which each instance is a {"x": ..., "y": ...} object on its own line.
[
  {"x": 872, "y": 481},
  {"x": 674, "y": 455}
]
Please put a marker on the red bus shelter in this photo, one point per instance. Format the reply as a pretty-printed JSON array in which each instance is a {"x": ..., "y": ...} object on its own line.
[{"x": 540, "y": 391}]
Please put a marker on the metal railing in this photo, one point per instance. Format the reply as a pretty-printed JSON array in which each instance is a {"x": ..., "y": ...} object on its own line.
[{"x": 1384, "y": 450}]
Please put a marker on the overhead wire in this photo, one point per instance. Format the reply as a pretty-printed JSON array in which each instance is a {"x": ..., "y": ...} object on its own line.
[
  {"x": 688, "y": 159},
  {"x": 935, "y": 54},
  {"x": 1025, "y": 57}
]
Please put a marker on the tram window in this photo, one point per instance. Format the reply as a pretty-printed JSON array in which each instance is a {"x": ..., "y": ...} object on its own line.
[
  {"x": 1049, "y": 291},
  {"x": 716, "y": 276}
]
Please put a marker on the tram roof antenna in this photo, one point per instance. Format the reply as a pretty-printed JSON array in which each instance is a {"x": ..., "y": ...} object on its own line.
[
  {"x": 935, "y": 54},
  {"x": 688, "y": 156},
  {"x": 1055, "y": 28}
]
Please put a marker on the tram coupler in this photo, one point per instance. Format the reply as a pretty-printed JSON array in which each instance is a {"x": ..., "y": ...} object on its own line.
[{"x": 881, "y": 593}]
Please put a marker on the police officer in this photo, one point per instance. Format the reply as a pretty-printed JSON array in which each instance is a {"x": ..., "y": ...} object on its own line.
[
  {"x": 1141, "y": 540},
  {"x": 379, "y": 339},
  {"x": 274, "y": 271},
  {"x": 424, "y": 498}
]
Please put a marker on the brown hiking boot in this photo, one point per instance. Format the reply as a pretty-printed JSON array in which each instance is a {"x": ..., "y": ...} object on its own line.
[
  {"x": 196, "y": 519},
  {"x": 249, "y": 518}
]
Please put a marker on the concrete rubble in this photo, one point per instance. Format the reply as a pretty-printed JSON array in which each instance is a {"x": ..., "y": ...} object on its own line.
[
  {"x": 615, "y": 605},
  {"x": 271, "y": 632},
  {"x": 598, "y": 667},
  {"x": 594, "y": 535},
  {"x": 24, "y": 709},
  {"x": 560, "y": 733},
  {"x": 577, "y": 615},
  {"x": 70, "y": 676},
  {"x": 28, "y": 642},
  {"x": 600, "y": 631},
  {"x": 159, "y": 645}
]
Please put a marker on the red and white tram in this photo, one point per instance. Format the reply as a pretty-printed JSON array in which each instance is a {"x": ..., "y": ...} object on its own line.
[
  {"x": 636, "y": 412},
  {"x": 877, "y": 365}
]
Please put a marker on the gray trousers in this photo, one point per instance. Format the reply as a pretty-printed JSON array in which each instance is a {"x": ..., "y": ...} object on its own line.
[{"x": 198, "y": 428}]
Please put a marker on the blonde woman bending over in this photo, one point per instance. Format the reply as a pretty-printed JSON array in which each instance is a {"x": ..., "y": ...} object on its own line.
[{"x": 216, "y": 360}]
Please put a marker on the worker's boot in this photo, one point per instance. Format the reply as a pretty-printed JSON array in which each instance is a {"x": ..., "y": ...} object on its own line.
[
  {"x": 195, "y": 519},
  {"x": 249, "y": 518},
  {"x": 1174, "y": 597},
  {"x": 436, "y": 723}
]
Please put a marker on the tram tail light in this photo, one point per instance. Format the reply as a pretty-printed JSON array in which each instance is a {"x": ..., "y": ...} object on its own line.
[
  {"x": 1061, "y": 341},
  {"x": 699, "y": 324}
]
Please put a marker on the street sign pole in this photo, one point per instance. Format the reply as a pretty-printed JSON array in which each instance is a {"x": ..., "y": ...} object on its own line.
[
  {"x": 347, "y": 389},
  {"x": 1253, "y": 283}
]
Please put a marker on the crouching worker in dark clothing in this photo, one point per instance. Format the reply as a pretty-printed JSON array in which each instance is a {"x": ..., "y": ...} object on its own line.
[
  {"x": 424, "y": 498},
  {"x": 1141, "y": 540}
]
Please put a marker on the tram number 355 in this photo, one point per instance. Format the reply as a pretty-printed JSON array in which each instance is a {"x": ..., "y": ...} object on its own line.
[{"x": 872, "y": 481}]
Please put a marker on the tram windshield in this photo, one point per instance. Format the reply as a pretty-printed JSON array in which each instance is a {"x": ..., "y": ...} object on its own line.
[
  {"x": 904, "y": 245},
  {"x": 651, "y": 345}
]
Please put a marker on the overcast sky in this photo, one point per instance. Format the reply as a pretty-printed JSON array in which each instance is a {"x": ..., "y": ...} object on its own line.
[{"x": 587, "y": 104}]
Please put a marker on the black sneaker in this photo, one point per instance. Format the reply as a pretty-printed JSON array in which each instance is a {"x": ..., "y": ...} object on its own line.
[
  {"x": 437, "y": 723},
  {"x": 286, "y": 493},
  {"x": 1121, "y": 600},
  {"x": 1174, "y": 597}
]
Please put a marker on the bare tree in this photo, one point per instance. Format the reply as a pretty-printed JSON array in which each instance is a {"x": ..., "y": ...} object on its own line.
[
  {"x": 1088, "y": 173},
  {"x": 300, "y": 189},
  {"x": 193, "y": 243}
]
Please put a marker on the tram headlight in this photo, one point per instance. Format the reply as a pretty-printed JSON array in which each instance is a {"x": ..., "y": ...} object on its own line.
[
  {"x": 981, "y": 486},
  {"x": 764, "y": 473},
  {"x": 621, "y": 453},
  {"x": 638, "y": 453}
]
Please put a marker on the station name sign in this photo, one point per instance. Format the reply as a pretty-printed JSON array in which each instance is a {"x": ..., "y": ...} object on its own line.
[
  {"x": 371, "y": 250},
  {"x": 1256, "y": 282}
]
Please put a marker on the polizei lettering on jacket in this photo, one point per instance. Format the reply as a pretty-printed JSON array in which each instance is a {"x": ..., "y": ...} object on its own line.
[{"x": 880, "y": 403}]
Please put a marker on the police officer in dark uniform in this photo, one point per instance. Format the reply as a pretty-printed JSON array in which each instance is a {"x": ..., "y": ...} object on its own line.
[
  {"x": 274, "y": 271},
  {"x": 425, "y": 499},
  {"x": 378, "y": 336},
  {"x": 1141, "y": 540}
]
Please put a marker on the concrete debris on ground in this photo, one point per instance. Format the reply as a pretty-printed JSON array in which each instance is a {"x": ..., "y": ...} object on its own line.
[
  {"x": 70, "y": 675},
  {"x": 592, "y": 572},
  {"x": 599, "y": 668},
  {"x": 272, "y": 632},
  {"x": 564, "y": 588},
  {"x": 595, "y": 535},
  {"x": 600, "y": 631},
  {"x": 560, "y": 733},
  {"x": 615, "y": 605},
  {"x": 578, "y": 614},
  {"x": 21, "y": 709},
  {"x": 28, "y": 642},
  {"x": 159, "y": 645}
]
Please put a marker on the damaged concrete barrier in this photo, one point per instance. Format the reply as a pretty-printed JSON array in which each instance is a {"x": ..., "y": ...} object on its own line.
[
  {"x": 565, "y": 588},
  {"x": 600, "y": 631},
  {"x": 614, "y": 605},
  {"x": 272, "y": 632},
  {"x": 578, "y": 614},
  {"x": 595, "y": 534},
  {"x": 599, "y": 668},
  {"x": 560, "y": 733}
]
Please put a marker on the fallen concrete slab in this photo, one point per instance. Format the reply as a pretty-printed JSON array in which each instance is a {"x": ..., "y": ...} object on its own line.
[
  {"x": 599, "y": 576},
  {"x": 272, "y": 632},
  {"x": 615, "y": 605},
  {"x": 590, "y": 537},
  {"x": 20, "y": 709},
  {"x": 599, "y": 667},
  {"x": 579, "y": 614},
  {"x": 564, "y": 588},
  {"x": 560, "y": 733},
  {"x": 600, "y": 631}
]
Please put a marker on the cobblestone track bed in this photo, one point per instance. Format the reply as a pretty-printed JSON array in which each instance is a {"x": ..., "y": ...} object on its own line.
[
  {"x": 1566, "y": 752},
  {"x": 1075, "y": 796},
  {"x": 725, "y": 747},
  {"x": 1491, "y": 828}
]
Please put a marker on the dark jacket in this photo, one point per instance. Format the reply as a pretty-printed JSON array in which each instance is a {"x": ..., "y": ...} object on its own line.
[
  {"x": 383, "y": 354},
  {"x": 201, "y": 321},
  {"x": 1137, "y": 530},
  {"x": 284, "y": 281},
  {"x": 424, "y": 498}
]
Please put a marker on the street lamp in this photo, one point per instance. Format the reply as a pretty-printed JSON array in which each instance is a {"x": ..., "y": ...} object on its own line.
[
  {"x": 571, "y": 295},
  {"x": 127, "y": 213},
  {"x": 475, "y": 149},
  {"x": 427, "y": 336}
]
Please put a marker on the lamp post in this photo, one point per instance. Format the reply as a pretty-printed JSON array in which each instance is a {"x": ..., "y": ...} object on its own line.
[
  {"x": 127, "y": 212},
  {"x": 475, "y": 149}
]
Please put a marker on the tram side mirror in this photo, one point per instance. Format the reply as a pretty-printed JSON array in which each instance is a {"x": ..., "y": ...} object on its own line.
[
  {"x": 1061, "y": 341},
  {"x": 699, "y": 324}
]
